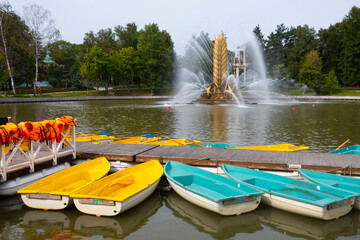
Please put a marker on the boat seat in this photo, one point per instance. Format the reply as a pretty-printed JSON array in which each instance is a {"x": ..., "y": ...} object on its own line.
[
  {"x": 184, "y": 179},
  {"x": 250, "y": 181}
]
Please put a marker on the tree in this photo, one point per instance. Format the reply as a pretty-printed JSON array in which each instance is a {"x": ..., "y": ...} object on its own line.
[
  {"x": 350, "y": 60},
  {"x": 310, "y": 71},
  {"x": 127, "y": 65},
  {"x": 301, "y": 41},
  {"x": 127, "y": 36},
  {"x": 42, "y": 30},
  {"x": 97, "y": 66},
  {"x": 260, "y": 37},
  {"x": 54, "y": 75},
  {"x": 156, "y": 53},
  {"x": 330, "y": 47},
  {"x": 275, "y": 47},
  {"x": 5, "y": 12},
  {"x": 331, "y": 83}
]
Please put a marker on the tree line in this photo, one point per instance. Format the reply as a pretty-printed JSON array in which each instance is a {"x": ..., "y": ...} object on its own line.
[
  {"x": 323, "y": 60},
  {"x": 123, "y": 55}
]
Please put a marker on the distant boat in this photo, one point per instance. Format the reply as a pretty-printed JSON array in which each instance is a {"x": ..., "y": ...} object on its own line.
[
  {"x": 294, "y": 195},
  {"x": 342, "y": 182},
  {"x": 354, "y": 149},
  {"x": 119, "y": 191},
  {"x": 213, "y": 145},
  {"x": 276, "y": 147},
  {"x": 211, "y": 191},
  {"x": 53, "y": 192}
]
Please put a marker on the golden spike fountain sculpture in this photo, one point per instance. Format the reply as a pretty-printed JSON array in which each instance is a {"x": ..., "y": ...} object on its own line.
[{"x": 219, "y": 89}]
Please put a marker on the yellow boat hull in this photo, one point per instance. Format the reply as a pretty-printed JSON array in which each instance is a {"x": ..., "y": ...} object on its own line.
[
  {"x": 276, "y": 147},
  {"x": 53, "y": 192},
  {"x": 119, "y": 191}
]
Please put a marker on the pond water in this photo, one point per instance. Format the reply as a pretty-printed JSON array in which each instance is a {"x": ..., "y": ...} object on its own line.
[{"x": 322, "y": 126}]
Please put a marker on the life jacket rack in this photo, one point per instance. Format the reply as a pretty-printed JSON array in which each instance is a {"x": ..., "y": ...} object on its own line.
[{"x": 49, "y": 151}]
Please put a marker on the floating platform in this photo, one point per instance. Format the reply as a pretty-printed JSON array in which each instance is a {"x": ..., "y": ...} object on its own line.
[{"x": 211, "y": 157}]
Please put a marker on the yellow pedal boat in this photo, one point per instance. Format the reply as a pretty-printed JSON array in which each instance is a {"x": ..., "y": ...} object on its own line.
[
  {"x": 53, "y": 192},
  {"x": 119, "y": 191},
  {"x": 277, "y": 147}
]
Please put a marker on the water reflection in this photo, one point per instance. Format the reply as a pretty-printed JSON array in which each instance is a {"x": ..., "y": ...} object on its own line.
[
  {"x": 150, "y": 219},
  {"x": 309, "y": 228},
  {"x": 216, "y": 225},
  {"x": 122, "y": 225}
]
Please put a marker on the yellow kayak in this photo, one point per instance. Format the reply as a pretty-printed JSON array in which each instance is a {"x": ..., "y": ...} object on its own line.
[
  {"x": 91, "y": 137},
  {"x": 277, "y": 147},
  {"x": 137, "y": 139},
  {"x": 53, "y": 192},
  {"x": 119, "y": 191},
  {"x": 173, "y": 142}
]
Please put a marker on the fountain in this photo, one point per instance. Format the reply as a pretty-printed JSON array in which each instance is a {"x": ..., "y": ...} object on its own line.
[
  {"x": 219, "y": 89},
  {"x": 248, "y": 83}
]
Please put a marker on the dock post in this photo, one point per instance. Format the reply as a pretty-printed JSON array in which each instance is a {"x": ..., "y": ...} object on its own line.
[{"x": 2, "y": 162}]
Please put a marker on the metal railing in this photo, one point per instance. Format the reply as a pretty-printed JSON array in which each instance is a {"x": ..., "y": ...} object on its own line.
[{"x": 31, "y": 157}]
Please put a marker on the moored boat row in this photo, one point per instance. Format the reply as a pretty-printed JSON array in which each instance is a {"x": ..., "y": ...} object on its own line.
[{"x": 94, "y": 193}]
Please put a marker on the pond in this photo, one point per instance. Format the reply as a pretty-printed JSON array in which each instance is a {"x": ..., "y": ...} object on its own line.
[{"x": 321, "y": 126}]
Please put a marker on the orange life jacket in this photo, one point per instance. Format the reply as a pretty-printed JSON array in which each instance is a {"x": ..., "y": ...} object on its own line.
[
  {"x": 55, "y": 130},
  {"x": 8, "y": 133},
  {"x": 27, "y": 130},
  {"x": 34, "y": 130},
  {"x": 68, "y": 120}
]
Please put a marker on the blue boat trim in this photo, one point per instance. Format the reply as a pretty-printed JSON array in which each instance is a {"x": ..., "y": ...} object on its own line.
[
  {"x": 206, "y": 184},
  {"x": 294, "y": 189}
]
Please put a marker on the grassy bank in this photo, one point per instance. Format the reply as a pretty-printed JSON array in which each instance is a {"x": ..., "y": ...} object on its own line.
[{"x": 169, "y": 91}]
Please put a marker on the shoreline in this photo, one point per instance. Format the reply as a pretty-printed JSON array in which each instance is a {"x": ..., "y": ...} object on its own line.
[{"x": 102, "y": 98}]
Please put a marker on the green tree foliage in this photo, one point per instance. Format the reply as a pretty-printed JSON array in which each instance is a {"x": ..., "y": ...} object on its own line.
[
  {"x": 127, "y": 36},
  {"x": 301, "y": 40},
  {"x": 281, "y": 72},
  {"x": 156, "y": 53},
  {"x": 97, "y": 66},
  {"x": 127, "y": 65},
  {"x": 17, "y": 38},
  {"x": 65, "y": 53},
  {"x": 310, "y": 71},
  {"x": 54, "y": 75},
  {"x": 275, "y": 47},
  {"x": 330, "y": 47},
  {"x": 260, "y": 37},
  {"x": 331, "y": 83},
  {"x": 350, "y": 60}
]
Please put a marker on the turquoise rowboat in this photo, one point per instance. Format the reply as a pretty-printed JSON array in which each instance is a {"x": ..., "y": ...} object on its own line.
[
  {"x": 354, "y": 149},
  {"x": 294, "y": 195},
  {"x": 342, "y": 182},
  {"x": 211, "y": 191},
  {"x": 213, "y": 145}
]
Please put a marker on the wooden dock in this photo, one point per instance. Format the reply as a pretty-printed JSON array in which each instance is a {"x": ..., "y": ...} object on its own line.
[
  {"x": 19, "y": 165},
  {"x": 264, "y": 160}
]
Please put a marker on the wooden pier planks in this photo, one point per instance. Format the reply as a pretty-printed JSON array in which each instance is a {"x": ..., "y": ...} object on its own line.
[
  {"x": 283, "y": 161},
  {"x": 246, "y": 158},
  {"x": 111, "y": 151},
  {"x": 20, "y": 165}
]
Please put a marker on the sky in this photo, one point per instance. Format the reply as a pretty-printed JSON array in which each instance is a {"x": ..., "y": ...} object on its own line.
[{"x": 183, "y": 18}]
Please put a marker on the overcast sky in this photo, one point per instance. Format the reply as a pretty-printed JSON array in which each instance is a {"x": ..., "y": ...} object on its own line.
[{"x": 182, "y": 18}]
